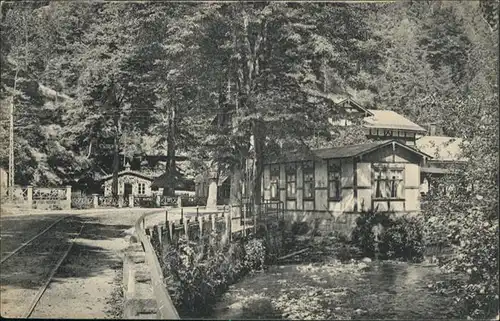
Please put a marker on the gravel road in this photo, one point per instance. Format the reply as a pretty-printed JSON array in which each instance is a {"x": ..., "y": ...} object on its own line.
[{"x": 87, "y": 284}]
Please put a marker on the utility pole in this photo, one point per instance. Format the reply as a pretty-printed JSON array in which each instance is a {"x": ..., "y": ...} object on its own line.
[
  {"x": 11, "y": 149},
  {"x": 11, "y": 139}
]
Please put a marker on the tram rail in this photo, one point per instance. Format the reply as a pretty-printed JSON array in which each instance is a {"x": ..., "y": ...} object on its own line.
[{"x": 38, "y": 256}]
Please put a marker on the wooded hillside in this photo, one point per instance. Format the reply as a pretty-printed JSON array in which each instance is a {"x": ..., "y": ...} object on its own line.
[{"x": 96, "y": 79}]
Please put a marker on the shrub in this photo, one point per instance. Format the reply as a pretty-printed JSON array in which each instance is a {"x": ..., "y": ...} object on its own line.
[
  {"x": 401, "y": 237},
  {"x": 197, "y": 273},
  {"x": 255, "y": 254},
  {"x": 299, "y": 228},
  {"x": 362, "y": 235},
  {"x": 403, "y": 240}
]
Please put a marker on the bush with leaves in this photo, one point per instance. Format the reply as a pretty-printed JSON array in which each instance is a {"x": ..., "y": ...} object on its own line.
[
  {"x": 362, "y": 235},
  {"x": 198, "y": 273},
  {"x": 400, "y": 237},
  {"x": 403, "y": 240},
  {"x": 255, "y": 254}
]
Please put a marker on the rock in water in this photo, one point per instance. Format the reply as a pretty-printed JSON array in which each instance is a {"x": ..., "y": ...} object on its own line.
[{"x": 366, "y": 260}]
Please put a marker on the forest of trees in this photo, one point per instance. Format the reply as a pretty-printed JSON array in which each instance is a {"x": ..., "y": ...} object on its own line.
[{"x": 91, "y": 80}]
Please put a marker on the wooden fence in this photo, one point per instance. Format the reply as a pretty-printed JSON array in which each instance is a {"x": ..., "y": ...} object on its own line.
[{"x": 195, "y": 225}]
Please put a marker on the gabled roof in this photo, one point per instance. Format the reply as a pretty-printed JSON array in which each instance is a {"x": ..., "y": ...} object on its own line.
[
  {"x": 345, "y": 152},
  {"x": 388, "y": 119},
  {"x": 337, "y": 99},
  {"x": 442, "y": 148},
  {"x": 128, "y": 172}
]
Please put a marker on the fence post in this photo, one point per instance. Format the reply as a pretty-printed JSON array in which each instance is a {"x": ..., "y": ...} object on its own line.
[
  {"x": 130, "y": 200},
  {"x": 171, "y": 229},
  {"x": 29, "y": 195},
  {"x": 166, "y": 217},
  {"x": 182, "y": 216},
  {"x": 245, "y": 221},
  {"x": 158, "y": 200},
  {"x": 186, "y": 229},
  {"x": 95, "y": 200},
  {"x": 179, "y": 202},
  {"x": 212, "y": 219},
  {"x": 255, "y": 219},
  {"x": 228, "y": 226},
  {"x": 120, "y": 201},
  {"x": 201, "y": 226},
  {"x": 68, "y": 197},
  {"x": 159, "y": 228}
]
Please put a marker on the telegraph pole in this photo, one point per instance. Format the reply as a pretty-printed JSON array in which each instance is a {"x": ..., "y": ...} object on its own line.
[
  {"x": 11, "y": 151},
  {"x": 11, "y": 140}
]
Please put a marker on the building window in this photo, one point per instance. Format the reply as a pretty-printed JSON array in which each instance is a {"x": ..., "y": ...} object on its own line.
[
  {"x": 308, "y": 172},
  {"x": 275, "y": 182},
  {"x": 388, "y": 182},
  {"x": 142, "y": 189},
  {"x": 334, "y": 191},
  {"x": 291, "y": 181}
]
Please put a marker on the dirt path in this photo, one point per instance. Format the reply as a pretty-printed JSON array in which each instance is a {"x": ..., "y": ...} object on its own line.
[{"x": 88, "y": 283}]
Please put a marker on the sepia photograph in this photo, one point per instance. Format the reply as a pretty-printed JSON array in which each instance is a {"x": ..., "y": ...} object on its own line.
[{"x": 244, "y": 160}]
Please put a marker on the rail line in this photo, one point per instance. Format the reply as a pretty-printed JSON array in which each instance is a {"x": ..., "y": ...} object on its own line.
[
  {"x": 31, "y": 240},
  {"x": 41, "y": 291},
  {"x": 59, "y": 255}
]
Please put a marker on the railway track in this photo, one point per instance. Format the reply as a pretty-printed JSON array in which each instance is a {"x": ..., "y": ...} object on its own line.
[{"x": 29, "y": 269}]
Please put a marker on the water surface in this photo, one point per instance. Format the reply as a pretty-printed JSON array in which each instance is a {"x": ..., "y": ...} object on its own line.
[{"x": 377, "y": 290}]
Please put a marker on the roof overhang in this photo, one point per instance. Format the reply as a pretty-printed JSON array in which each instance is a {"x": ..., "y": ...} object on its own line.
[
  {"x": 343, "y": 154},
  {"x": 131, "y": 173},
  {"x": 395, "y": 142},
  {"x": 413, "y": 130}
]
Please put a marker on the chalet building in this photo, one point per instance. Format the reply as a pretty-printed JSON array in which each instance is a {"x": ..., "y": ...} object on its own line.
[
  {"x": 387, "y": 124},
  {"x": 338, "y": 184},
  {"x": 446, "y": 153},
  {"x": 383, "y": 176},
  {"x": 129, "y": 182},
  {"x": 144, "y": 176},
  {"x": 378, "y": 124}
]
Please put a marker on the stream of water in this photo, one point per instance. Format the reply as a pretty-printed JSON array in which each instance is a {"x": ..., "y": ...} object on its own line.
[{"x": 376, "y": 290}]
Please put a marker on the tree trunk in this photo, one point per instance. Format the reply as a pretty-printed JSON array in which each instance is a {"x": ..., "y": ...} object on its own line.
[
  {"x": 116, "y": 167},
  {"x": 170, "y": 170},
  {"x": 259, "y": 135},
  {"x": 235, "y": 191}
]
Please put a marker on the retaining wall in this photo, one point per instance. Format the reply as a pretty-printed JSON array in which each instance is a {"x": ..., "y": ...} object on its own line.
[
  {"x": 325, "y": 221},
  {"x": 145, "y": 294}
]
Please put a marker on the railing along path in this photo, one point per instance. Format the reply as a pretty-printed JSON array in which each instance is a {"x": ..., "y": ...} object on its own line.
[{"x": 166, "y": 308}]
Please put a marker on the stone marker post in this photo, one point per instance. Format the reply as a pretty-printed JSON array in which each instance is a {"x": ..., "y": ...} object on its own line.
[
  {"x": 130, "y": 200},
  {"x": 68, "y": 197},
  {"x": 212, "y": 192},
  {"x": 29, "y": 193},
  {"x": 95, "y": 200}
]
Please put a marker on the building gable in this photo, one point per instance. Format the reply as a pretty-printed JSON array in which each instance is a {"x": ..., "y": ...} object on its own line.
[{"x": 128, "y": 173}]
